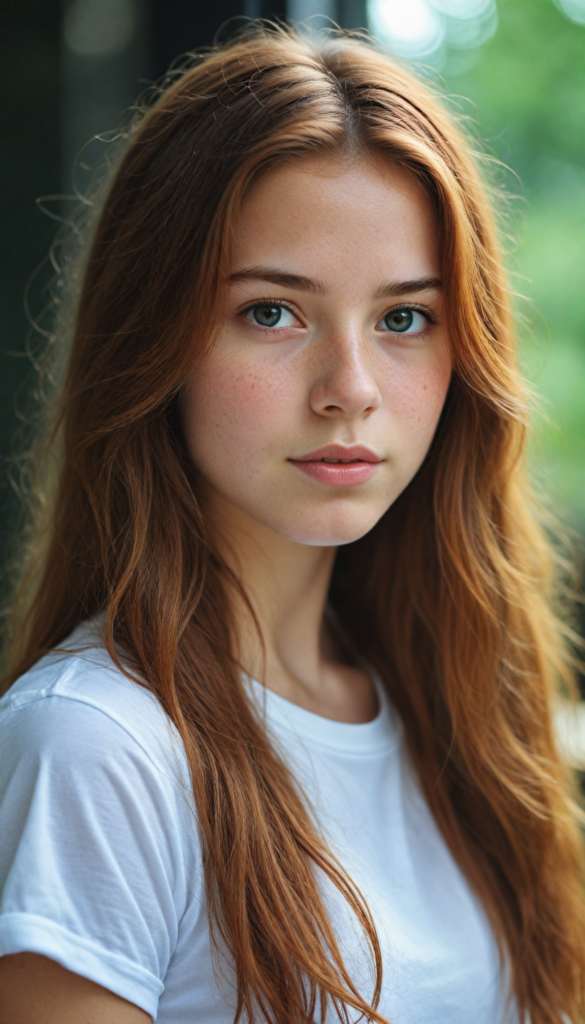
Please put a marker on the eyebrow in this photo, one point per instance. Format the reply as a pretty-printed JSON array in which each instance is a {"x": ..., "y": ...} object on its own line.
[
  {"x": 419, "y": 284},
  {"x": 309, "y": 284},
  {"x": 281, "y": 277}
]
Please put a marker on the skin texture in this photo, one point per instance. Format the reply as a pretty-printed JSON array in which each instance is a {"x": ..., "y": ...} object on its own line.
[
  {"x": 263, "y": 397},
  {"x": 331, "y": 374},
  {"x": 36, "y": 990}
]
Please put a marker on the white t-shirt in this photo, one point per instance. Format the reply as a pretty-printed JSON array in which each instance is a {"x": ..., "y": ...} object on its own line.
[{"x": 100, "y": 862}]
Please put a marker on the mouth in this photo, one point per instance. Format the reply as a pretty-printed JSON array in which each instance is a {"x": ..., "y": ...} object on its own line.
[
  {"x": 338, "y": 454},
  {"x": 339, "y": 466},
  {"x": 337, "y": 462}
]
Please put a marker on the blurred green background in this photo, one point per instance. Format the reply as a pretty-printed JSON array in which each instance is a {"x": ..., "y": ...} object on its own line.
[{"x": 526, "y": 85}]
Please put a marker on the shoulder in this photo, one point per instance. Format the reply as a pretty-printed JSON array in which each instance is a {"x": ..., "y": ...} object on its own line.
[
  {"x": 99, "y": 850},
  {"x": 90, "y": 760},
  {"x": 76, "y": 698}
]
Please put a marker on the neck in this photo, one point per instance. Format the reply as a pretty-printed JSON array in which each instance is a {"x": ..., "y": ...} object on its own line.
[{"x": 287, "y": 584}]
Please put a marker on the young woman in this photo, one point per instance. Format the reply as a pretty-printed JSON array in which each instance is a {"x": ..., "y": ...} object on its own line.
[{"x": 276, "y": 743}]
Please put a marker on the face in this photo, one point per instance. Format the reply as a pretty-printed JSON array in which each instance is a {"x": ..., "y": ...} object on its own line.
[{"x": 318, "y": 403}]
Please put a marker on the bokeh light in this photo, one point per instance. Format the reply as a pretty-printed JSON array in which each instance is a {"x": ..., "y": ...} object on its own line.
[
  {"x": 428, "y": 29},
  {"x": 573, "y": 9},
  {"x": 410, "y": 27}
]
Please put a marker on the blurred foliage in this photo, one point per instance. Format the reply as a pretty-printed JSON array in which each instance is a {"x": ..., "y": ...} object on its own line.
[{"x": 527, "y": 92}]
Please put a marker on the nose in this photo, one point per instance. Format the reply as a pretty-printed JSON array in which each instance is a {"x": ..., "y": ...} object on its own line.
[{"x": 344, "y": 383}]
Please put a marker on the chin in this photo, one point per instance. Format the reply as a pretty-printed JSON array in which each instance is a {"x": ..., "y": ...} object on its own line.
[{"x": 329, "y": 529}]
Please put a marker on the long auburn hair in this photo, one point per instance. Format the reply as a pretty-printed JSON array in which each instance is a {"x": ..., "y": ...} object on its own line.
[{"x": 451, "y": 597}]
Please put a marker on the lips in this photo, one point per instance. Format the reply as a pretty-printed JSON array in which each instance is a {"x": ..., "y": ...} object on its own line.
[
  {"x": 338, "y": 453},
  {"x": 338, "y": 465}
]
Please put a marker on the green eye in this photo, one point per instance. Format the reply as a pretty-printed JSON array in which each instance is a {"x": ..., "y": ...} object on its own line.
[
  {"x": 270, "y": 314},
  {"x": 399, "y": 320},
  {"x": 404, "y": 321},
  {"x": 266, "y": 315}
]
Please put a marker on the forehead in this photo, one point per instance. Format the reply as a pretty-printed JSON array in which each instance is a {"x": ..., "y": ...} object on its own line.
[{"x": 326, "y": 214}]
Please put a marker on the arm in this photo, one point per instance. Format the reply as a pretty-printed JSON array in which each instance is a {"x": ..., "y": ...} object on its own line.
[{"x": 36, "y": 990}]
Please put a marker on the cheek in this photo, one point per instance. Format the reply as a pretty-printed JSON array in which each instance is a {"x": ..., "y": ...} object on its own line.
[
  {"x": 416, "y": 392},
  {"x": 233, "y": 409}
]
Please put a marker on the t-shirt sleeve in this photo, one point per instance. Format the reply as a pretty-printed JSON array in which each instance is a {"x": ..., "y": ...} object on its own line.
[{"x": 90, "y": 860}]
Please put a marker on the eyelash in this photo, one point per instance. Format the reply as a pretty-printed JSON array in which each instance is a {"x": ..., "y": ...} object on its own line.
[
  {"x": 268, "y": 302},
  {"x": 423, "y": 310}
]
